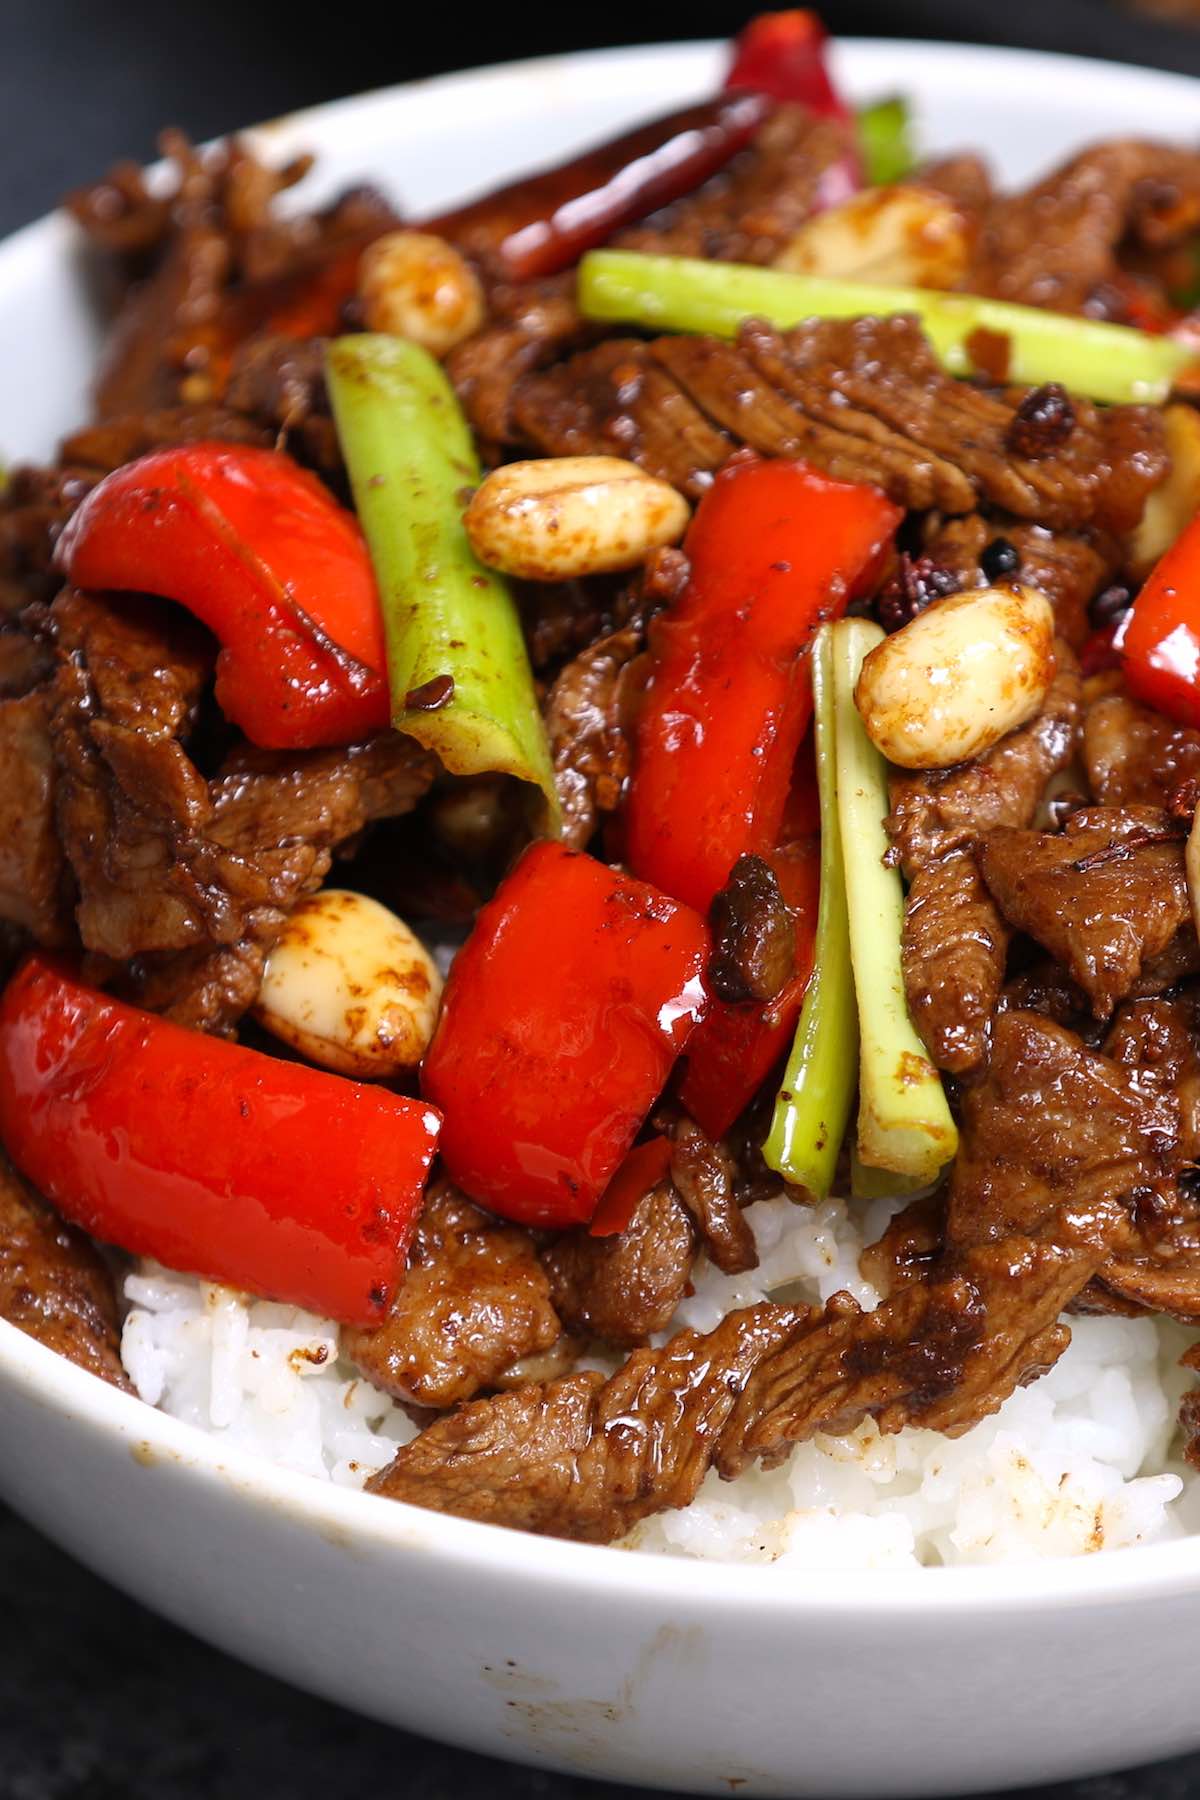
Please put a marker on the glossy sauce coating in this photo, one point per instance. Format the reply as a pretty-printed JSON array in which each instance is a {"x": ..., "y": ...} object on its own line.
[
  {"x": 562, "y": 1017},
  {"x": 210, "y": 1157}
]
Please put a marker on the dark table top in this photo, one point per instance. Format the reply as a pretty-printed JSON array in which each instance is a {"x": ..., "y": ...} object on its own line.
[{"x": 99, "y": 1700}]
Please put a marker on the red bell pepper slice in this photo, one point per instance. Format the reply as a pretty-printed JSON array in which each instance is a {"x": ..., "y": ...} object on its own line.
[
  {"x": 775, "y": 548},
  {"x": 267, "y": 1175},
  {"x": 783, "y": 54},
  {"x": 544, "y": 222},
  {"x": 260, "y": 551},
  {"x": 735, "y": 1048},
  {"x": 1160, "y": 639},
  {"x": 643, "y": 1169},
  {"x": 562, "y": 1017}
]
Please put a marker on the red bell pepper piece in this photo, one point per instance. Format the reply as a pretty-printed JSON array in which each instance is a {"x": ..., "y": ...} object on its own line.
[
  {"x": 783, "y": 54},
  {"x": 1160, "y": 638},
  {"x": 643, "y": 1169},
  {"x": 260, "y": 551},
  {"x": 735, "y": 1048},
  {"x": 215, "y": 1159},
  {"x": 543, "y": 223},
  {"x": 563, "y": 1014},
  {"x": 774, "y": 549}
]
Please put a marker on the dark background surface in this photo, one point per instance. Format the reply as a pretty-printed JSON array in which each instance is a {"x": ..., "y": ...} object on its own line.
[{"x": 98, "y": 1699}]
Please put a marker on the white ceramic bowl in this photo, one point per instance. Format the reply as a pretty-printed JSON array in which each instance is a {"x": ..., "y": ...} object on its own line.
[{"x": 685, "y": 1674}]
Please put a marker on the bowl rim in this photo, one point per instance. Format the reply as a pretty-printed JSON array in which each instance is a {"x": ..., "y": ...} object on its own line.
[{"x": 473, "y": 1548}]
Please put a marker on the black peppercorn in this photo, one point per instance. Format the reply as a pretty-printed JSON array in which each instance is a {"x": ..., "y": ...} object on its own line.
[
  {"x": 1044, "y": 420},
  {"x": 999, "y": 559}
]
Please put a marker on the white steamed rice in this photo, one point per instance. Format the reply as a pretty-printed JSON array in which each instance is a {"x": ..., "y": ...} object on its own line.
[{"x": 1078, "y": 1462}]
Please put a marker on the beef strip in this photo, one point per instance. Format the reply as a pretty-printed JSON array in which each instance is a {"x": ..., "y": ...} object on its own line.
[
  {"x": 1156, "y": 1265},
  {"x": 709, "y": 1180},
  {"x": 276, "y": 388},
  {"x": 1039, "y": 1193},
  {"x": 625, "y": 1287},
  {"x": 751, "y": 391},
  {"x": 529, "y": 326},
  {"x": 954, "y": 946},
  {"x": 206, "y": 265},
  {"x": 475, "y": 1299},
  {"x": 34, "y": 889},
  {"x": 585, "y": 713},
  {"x": 955, "y": 939},
  {"x": 35, "y": 505},
  {"x": 1070, "y": 568},
  {"x": 614, "y": 400},
  {"x": 746, "y": 213},
  {"x": 753, "y": 935},
  {"x": 1135, "y": 757},
  {"x": 886, "y": 368},
  {"x": 53, "y": 1284},
  {"x": 750, "y": 210},
  {"x": 192, "y": 879},
  {"x": 1055, "y": 245},
  {"x": 861, "y": 399},
  {"x": 1106, "y": 896},
  {"x": 113, "y": 441},
  {"x": 934, "y": 811}
]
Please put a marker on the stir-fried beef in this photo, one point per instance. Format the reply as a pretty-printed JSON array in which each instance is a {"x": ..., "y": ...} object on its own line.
[
  {"x": 1070, "y": 568},
  {"x": 474, "y": 1301},
  {"x": 1156, "y": 1264},
  {"x": 954, "y": 948},
  {"x": 1106, "y": 896},
  {"x": 1056, "y": 244},
  {"x": 862, "y": 399},
  {"x": 1034, "y": 1206},
  {"x": 708, "y": 1179},
  {"x": 35, "y": 505},
  {"x": 276, "y": 387},
  {"x": 585, "y": 723},
  {"x": 758, "y": 392},
  {"x": 935, "y": 811},
  {"x": 886, "y": 369},
  {"x": 113, "y": 441},
  {"x": 529, "y": 327},
  {"x": 53, "y": 1284},
  {"x": 587, "y": 1458},
  {"x": 584, "y": 1457},
  {"x": 209, "y": 263},
  {"x": 34, "y": 893},
  {"x": 625, "y": 1287},
  {"x": 1052, "y": 1118},
  {"x": 1135, "y": 757},
  {"x": 615, "y": 401},
  {"x": 749, "y": 212},
  {"x": 166, "y": 862},
  {"x": 955, "y": 939},
  {"x": 754, "y": 939}
]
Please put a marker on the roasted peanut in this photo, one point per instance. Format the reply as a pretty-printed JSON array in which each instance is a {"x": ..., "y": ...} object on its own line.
[
  {"x": 1174, "y": 503},
  {"x": 572, "y": 515},
  {"x": 961, "y": 676},
  {"x": 349, "y": 986},
  {"x": 418, "y": 286},
  {"x": 902, "y": 236}
]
